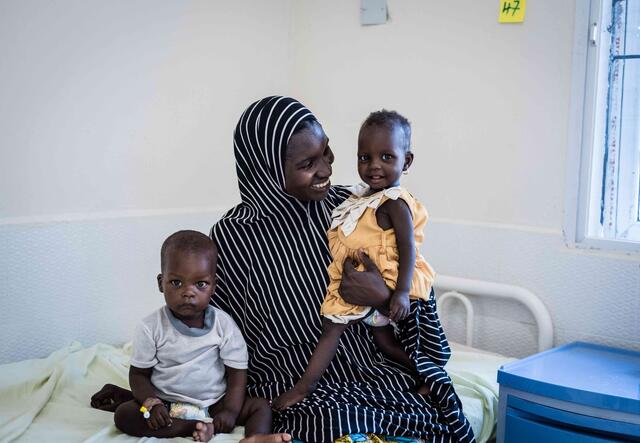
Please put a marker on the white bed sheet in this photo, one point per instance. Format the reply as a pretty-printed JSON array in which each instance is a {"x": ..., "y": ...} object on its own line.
[
  {"x": 48, "y": 399},
  {"x": 474, "y": 375}
]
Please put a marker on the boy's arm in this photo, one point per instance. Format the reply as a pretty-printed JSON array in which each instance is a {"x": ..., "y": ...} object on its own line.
[
  {"x": 225, "y": 420},
  {"x": 402, "y": 223},
  {"x": 145, "y": 395},
  {"x": 140, "y": 382}
]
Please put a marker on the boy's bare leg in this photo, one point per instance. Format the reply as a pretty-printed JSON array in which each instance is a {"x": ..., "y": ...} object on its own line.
[
  {"x": 318, "y": 363},
  {"x": 387, "y": 343},
  {"x": 129, "y": 420},
  {"x": 256, "y": 418}
]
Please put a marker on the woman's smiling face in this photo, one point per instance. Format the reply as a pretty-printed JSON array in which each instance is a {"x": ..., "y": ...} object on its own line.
[{"x": 307, "y": 166}]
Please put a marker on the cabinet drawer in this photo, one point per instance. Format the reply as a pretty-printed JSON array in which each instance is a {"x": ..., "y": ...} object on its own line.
[
  {"x": 569, "y": 420},
  {"x": 522, "y": 429}
]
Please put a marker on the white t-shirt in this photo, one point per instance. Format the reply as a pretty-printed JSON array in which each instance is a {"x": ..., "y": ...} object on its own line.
[{"x": 188, "y": 363}]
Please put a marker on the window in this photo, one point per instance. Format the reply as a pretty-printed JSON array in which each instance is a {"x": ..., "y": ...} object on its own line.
[{"x": 603, "y": 209}]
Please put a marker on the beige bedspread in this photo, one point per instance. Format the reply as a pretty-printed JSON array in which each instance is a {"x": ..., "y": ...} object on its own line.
[{"x": 48, "y": 399}]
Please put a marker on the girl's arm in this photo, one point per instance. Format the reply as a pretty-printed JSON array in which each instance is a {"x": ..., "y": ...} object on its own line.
[
  {"x": 398, "y": 216},
  {"x": 225, "y": 420}
]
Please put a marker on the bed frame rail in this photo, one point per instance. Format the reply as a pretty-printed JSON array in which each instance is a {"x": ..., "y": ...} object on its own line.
[{"x": 457, "y": 288}]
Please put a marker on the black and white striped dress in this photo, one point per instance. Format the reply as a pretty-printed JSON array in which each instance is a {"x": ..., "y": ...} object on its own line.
[{"x": 272, "y": 278}]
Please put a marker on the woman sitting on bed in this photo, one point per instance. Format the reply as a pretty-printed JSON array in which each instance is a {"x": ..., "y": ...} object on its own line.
[{"x": 272, "y": 277}]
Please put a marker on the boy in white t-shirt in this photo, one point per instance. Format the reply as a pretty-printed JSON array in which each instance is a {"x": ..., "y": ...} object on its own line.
[{"x": 188, "y": 367}]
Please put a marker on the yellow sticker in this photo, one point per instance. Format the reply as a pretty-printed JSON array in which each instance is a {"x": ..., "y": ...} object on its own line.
[{"x": 512, "y": 11}]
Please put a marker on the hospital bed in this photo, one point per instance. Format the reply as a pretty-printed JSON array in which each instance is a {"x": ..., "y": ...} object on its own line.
[{"x": 48, "y": 399}]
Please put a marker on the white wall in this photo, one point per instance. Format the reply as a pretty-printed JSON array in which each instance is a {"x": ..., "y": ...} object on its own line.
[
  {"x": 115, "y": 130},
  {"x": 116, "y": 123},
  {"x": 488, "y": 101},
  {"x": 489, "y": 104},
  {"x": 130, "y": 105}
]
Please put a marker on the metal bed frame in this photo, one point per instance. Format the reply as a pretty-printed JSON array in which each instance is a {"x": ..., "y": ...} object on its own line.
[{"x": 457, "y": 288}]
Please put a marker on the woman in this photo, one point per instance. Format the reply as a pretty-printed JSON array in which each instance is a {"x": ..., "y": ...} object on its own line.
[{"x": 272, "y": 278}]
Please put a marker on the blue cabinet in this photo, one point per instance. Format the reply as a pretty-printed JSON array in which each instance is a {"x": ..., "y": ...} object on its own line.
[{"x": 579, "y": 392}]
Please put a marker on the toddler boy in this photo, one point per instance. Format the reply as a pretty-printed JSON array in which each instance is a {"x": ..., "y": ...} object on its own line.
[{"x": 188, "y": 367}]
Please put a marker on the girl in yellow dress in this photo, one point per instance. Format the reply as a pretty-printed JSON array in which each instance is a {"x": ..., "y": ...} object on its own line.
[{"x": 383, "y": 220}]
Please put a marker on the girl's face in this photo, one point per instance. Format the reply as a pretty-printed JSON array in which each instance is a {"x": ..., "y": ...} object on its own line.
[
  {"x": 381, "y": 156},
  {"x": 307, "y": 166}
]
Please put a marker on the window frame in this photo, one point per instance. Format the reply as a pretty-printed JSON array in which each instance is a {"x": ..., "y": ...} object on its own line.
[{"x": 590, "y": 58}]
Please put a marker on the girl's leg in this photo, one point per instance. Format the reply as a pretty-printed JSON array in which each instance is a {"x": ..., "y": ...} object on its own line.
[
  {"x": 386, "y": 341},
  {"x": 256, "y": 418},
  {"x": 129, "y": 420},
  {"x": 318, "y": 363}
]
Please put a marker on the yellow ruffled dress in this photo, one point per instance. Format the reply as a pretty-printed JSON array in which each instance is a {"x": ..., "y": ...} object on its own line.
[{"x": 354, "y": 227}]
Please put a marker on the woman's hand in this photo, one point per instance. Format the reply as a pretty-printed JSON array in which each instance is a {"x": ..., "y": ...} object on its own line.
[
  {"x": 110, "y": 397},
  {"x": 224, "y": 421},
  {"x": 365, "y": 288}
]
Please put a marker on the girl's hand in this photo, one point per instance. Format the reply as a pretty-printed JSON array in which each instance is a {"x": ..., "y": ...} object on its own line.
[
  {"x": 366, "y": 288},
  {"x": 224, "y": 421},
  {"x": 159, "y": 417},
  {"x": 399, "y": 306}
]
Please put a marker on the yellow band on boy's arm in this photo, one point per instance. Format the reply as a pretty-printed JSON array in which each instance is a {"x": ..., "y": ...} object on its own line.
[{"x": 148, "y": 404}]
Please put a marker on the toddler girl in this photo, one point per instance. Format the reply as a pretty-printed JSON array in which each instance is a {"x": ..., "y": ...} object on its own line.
[{"x": 386, "y": 222}]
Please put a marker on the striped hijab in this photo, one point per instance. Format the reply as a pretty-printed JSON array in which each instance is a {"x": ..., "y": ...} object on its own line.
[{"x": 272, "y": 278}]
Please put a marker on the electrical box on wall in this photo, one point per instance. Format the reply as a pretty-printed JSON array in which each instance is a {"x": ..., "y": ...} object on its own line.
[{"x": 373, "y": 12}]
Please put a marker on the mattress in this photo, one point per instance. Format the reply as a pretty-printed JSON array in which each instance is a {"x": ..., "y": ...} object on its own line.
[{"x": 48, "y": 399}]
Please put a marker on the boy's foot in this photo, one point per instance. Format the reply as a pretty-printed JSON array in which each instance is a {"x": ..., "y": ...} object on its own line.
[
  {"x": 110, "y": 397},
  {"x": 203, "y": 431},
  {"x": 267, "y": 438},
  {"x": 290, "y": 398}
]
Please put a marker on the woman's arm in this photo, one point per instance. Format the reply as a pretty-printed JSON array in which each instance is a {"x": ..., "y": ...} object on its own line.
[{"x": 399, "y": 216}]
